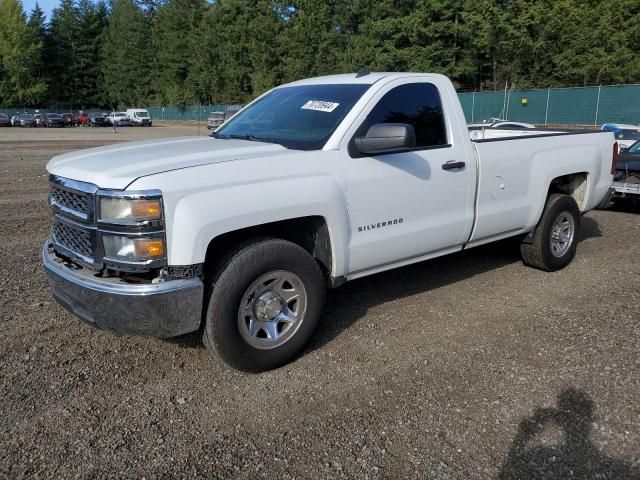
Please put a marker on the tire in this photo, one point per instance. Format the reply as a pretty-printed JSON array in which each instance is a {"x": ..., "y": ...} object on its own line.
[
  {"x": 244, "y": 278},
  {"x": 545, "y": 248}
]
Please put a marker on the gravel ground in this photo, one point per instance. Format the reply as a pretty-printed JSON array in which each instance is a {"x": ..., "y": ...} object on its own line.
[{"x": 469, "y": 366}]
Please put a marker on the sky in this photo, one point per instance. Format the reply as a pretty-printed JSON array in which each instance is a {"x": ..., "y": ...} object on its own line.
[{"x": 46, "y": 5}]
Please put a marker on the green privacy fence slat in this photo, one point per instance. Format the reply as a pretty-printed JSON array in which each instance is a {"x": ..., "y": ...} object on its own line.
[
  {"x": 619, "y": 104},
  {"x": 184, "y": 113},
  {"x": 560, "y": 106},
  {"x": 573, "y": 105}
]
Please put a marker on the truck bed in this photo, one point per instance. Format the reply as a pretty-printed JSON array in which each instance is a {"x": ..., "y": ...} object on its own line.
[{"x": 516, "y": 171}]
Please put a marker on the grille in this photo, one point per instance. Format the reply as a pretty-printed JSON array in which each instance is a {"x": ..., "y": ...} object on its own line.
[
  {"x": 74, "y": 239},
  {"x": 74, "y": 200},
  {"x": 622, "y": 176}
]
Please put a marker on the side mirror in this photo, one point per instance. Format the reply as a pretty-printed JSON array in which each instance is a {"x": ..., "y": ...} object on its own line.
[{"x": 386, "y": 138}]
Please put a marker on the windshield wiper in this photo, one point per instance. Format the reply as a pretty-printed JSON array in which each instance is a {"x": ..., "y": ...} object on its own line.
[{"x": 251, "y": 138}]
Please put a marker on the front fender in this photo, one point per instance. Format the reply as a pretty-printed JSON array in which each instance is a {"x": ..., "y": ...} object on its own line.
[{"x": 205, "y": 202}]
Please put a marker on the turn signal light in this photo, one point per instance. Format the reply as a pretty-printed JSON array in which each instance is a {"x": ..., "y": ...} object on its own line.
[
  {"x": 146, "y": 209},
  {"x": 149, "y": 248}
]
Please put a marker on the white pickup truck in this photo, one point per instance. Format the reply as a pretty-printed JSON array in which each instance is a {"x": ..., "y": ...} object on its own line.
[{"x": 314, "y": 183}]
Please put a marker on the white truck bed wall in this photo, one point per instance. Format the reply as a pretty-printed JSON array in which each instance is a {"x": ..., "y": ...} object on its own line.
[{"x": 515, "y": 175}]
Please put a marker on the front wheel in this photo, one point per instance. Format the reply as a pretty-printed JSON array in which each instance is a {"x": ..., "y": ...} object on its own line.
[
  {"x": 552, "y": 245},
  {"x": 265, "y": 303}
]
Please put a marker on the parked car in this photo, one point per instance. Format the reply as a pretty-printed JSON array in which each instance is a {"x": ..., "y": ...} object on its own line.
[
  {"x": 81, "y": 119},
  {"x": 27, "y": 120},
  {"x": 626, "y": 180},
  {"x": 53, "y": 120},
  {"x": 140, "y": 117},
  {"x": 67, "y": 120},
  {"x": 218, "y": 117},
  {"x": 39, "y": 117},
  {"x": 5, "y": 121},
  {"x": 120, "y": 119},
  {"x": 626, "y": 135},
  {"x": 318, "y": 182},
  {"x": 215, "y": 119},
  {"x": 98, "y": 119}
]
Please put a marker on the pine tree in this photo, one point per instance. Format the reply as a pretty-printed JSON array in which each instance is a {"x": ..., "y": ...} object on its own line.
[
  {"x": 19, "y": 56},
  {"x": 127, "y": 56},
  {"x": 92, "y": 21},
  {"x": 174, "y": 46},
  {"x": 313, "y": 39},
  {"x": 60, "y": 53}
]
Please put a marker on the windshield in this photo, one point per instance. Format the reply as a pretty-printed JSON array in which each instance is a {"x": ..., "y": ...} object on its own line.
[
  {"x": 628, "y": 135},
  {"x": 53, "y": 115},
  {"x": 301, "y": 117},
  {"x": 119, "y": 114},
  {"x": 141, "y": 114},
  {"x": 28, "y": 116}
]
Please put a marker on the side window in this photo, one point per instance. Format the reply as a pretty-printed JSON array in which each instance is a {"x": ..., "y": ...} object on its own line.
[{"x": 417, "y": 104}]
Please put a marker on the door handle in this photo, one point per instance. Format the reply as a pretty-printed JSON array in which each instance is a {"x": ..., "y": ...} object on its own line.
[{"x": 453, "y": 165}]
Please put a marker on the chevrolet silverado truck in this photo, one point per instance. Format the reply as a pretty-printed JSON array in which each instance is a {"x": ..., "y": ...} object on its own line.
[{"x": 317, "y": 182}]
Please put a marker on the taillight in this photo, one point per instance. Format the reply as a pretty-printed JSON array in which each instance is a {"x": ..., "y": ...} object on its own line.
[{"x": 614, "y": 161}]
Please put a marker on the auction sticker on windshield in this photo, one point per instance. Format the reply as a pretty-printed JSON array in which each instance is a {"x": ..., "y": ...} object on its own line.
[{"x": 320, "y": 106}]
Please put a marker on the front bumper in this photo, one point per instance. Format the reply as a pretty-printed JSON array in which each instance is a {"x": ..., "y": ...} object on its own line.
[{"x": 165, "y": 309}]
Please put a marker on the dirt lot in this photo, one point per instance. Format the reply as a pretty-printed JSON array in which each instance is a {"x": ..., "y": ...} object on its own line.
[{"x": 470, "y": 366}]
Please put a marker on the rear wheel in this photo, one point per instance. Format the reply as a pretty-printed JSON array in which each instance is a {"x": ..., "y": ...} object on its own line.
[
  {"x": 553, "y": 243},
  {"x": 265, "y": 303}
]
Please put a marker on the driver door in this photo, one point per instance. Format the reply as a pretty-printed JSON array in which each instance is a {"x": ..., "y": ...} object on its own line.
[{"x": 404, "y": 206}]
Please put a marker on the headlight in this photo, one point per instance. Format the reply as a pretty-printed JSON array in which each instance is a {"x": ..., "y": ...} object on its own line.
[
  {"x": 133, "y": 249},
  {"x": 130, "y": 209}
]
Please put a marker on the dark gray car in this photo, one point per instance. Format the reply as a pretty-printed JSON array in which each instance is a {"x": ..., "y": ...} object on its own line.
[
  {"x": 53, "y": 120},
  {"x": 98, "y": 119},
  {"x": 27, "y": 120},
  {"x": 5, "y": 121}
]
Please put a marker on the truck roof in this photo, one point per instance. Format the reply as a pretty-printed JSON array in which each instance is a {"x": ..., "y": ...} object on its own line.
[{"x": 347, "y": 78}]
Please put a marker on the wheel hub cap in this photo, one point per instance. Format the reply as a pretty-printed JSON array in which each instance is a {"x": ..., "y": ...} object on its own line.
[
  {"x": 272, "y": 309},
  {"x": 562, "y": 232},
  {"x": 268, "y": 306}
]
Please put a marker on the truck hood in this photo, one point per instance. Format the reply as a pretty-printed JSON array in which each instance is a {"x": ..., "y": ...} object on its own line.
[{"x": 117, "y": 166}]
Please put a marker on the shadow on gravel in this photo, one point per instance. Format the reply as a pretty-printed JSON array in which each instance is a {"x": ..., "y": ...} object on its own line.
[
  {"x": 625, "y": 205},
  {"x": 349, "y": 303},
  {"x": 189, "y": 340},
  {"x": 574, "y": 457},
  {"x": 590, "y": 229}
]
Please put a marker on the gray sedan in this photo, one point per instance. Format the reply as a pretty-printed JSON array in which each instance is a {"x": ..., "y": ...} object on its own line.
[{"x": 27, "y": 120}]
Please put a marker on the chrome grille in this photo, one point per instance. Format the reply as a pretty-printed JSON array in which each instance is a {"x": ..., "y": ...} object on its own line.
[
  {"x": 77, "y": 201},
  {"x": 74, "y": 239}
]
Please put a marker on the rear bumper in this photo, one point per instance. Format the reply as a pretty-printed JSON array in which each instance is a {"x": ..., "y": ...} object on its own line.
[
  {"x": 165, "y": 309},
  {"x": 622, "y": 189}
]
